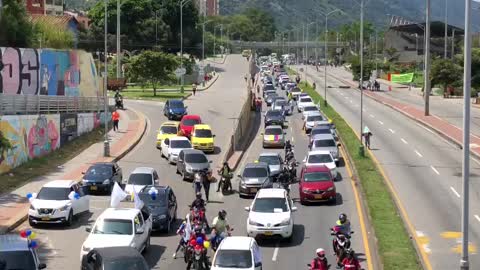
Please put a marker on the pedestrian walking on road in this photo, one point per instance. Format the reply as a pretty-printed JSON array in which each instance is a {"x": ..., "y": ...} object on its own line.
[
  {"x": 367, "y": 134},
  {"x": 206, "y": 185},
  {"x": 115, "y": 119},
  {"x": 194, "y": 88}
]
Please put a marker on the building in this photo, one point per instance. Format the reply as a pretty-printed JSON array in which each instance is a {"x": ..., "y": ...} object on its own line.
[
  {"x": 45, "y": 7},
  {"x": 64, "y": 21},
  {"x": 212, "y": 7},
  {"x": 81, "y": 17}
]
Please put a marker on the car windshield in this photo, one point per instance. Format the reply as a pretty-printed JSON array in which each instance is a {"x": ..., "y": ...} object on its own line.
[
  {"x": 160, "y": 200},
  {"x": 18, "y": 259},
  {"x": 190, "y": 122},
  {"x": 203, "y": 133},
  {"x": 306, "y": 99},
  {"x": 233, "y": 259},
  {"x": 180, "y": 144},
  {"x": 320, "y": 131},
  {"x": 314, "y": 118},
  {"x": 54, "y": 194},
  {"x": 274, "y": 113},
  {"x": 196, "y": 158},
  {"x": 176, "y": 104},
  {"x": 280, "y": 103},
  {"x": 271, "y": 160},
  {"x": 296, "y": 90},
  {"x": 324, "y": 143},
  {"x": 269, "y": 87},
  {"x": 253, "y": 172},
  {"x": 125, "y": 264},
  {"x": 168, "y": 130},
  {"x": 142, "y": 179},
  {"x": 320, "y": 158},
  {"x": 273, "y": 131},
  {"x": 270, "y": 205},
  {"x": 310, "y": 108},
  {"x": 317, "y": 177},
  {"x": 272, "y": 96},
  {"x": 99, "y": 172},
  {"x": 113, "y": 226}
]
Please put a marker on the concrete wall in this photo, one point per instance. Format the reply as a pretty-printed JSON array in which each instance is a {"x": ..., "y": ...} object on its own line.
[
  {"x": 47, "y": 72},
  {"x": 37, "y": 135}
]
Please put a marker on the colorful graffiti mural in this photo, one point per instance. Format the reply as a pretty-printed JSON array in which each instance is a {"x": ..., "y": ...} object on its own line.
[
  {"x": 31, "y": 136},
  {"x": 47, "y": 72}
]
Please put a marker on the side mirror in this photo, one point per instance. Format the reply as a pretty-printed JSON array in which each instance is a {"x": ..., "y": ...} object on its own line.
[
  {"x": 83, "y": 172},
  {"x": 238, "y": 175},
  {"x": 210, "y": 161},
  {"x": 139, "y": 231},
  {"x": 247, "y": 209},
  {"x": 294, "y": 209},
  {"x": 339, "y": 144},
  {"x": 214, "y": 135},
  {"x": 42, "y": 266},
  {"x": 88, "y": 229},
  {"x": 305, "y": 160}
]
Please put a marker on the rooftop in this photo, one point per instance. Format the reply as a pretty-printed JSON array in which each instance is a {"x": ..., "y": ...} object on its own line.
[
  {"x": 271, "y": 193},
  {"x": 60, "y": 183},
  {"x": 60, "y": 21},
  {"x": 437, "y": 29},
  {"x": 11, "y": 242},
  {"x": 120, "y": 213},
  {"x": 237, "y": 243},
  {"x": 143, "y": 170}
]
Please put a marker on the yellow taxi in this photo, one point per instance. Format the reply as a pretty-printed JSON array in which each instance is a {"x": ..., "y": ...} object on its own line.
[
  {"x": 202, "y": 138},
  {"x": 167, "y": 130}
]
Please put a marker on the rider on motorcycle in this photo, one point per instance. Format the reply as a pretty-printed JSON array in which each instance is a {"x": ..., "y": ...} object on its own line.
[
  {"x": 184, "y": 237},
  {"x": 198, "y": 234},
  {"x": 288, "y": 146},
  {"x": 345, "y": 225},
  {"x": 226, "y": 173},
  {"x": 219, "y": 226},
  {"x": 350, "y": 262},
  {"x": 198, "y": 203},
  {"x": 320, "y": 262}
]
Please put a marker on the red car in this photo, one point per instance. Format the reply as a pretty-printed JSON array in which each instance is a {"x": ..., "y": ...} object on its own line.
[
  {"x": 187, "y": 123},
  {"x": 316, "y": 184}
]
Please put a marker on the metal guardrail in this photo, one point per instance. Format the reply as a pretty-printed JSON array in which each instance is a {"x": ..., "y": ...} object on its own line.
[{"x": 25, "y": 104}]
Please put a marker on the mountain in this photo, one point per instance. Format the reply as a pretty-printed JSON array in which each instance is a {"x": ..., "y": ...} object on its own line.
[{"x": 288, "y": 12}]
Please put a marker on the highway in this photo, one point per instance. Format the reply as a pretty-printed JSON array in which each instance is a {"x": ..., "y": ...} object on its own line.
[
  {"x": 425, "y": 171},
  {"x": 218, "y": 106}
]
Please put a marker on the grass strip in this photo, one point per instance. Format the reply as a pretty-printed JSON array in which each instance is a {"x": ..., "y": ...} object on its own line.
[
  {"x": 395, "y": 247},
  {"x": 49, "y": 163},
  {"x": 148, "y": 95}
]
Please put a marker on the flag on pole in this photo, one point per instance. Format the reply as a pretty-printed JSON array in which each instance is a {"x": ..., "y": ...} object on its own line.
[
  {"x": 136, "y": 199},
  {"x": 117, "y": 196}
]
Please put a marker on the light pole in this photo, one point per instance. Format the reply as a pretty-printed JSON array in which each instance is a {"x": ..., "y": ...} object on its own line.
[
  {"x": 306, "y": 50},
  {"x": 446, "y": 30},
  {"x": 156, "y": 28},
  {"x": 119, "y": 57},
  {"x": 464, "y": 263},
  {"x": 426, "y": 75},
  {"x": 182, "y": 3},
  {"x": 106, "y": 144}
]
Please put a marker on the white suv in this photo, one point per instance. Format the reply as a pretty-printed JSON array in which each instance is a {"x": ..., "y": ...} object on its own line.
[
  {"x": 237, "y": 252},
  {"x": 140, "y": 178},
  {"x": 56, "y": 203},
  {"x": 119, "y": 227},
  {"x": 271, "y": 214},
  {"x": 171, "y": 147},
  {"x": 322, "y": 157}
]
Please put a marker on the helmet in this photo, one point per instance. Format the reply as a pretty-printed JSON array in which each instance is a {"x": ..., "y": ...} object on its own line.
[
  {"x": 198, "y": 229},
  {"x": 342, "y": 218},
  {"x": 350, "y": 252},
  {"x": 222, "y": 214},
  {"x": 320, "y": 252},
  {"x": 198, "y": 195}
]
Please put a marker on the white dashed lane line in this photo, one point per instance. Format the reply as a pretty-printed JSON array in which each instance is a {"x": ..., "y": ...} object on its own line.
[
  {"x": 380, "y": 122},
  {"x": 455, "y": 192},
  {"x": 435, "y": 170},
  {"x": 418, "y": 153},
  {"x": 404, "y": 141},
  {"x": 477, "y": 218},
  {"x": 275, "y": 253},
  {"x": 372, "y": 116},
  {"x": 392, "y": 131}
]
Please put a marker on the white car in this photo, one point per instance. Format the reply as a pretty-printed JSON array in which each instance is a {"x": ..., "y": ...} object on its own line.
[
  {"x": 171, "y": 147},
  {"x": 17, "y": 253},
  {"x": 322, "y": 157},
  {"x": 119, "y": 227},
  {"x": 56, "y": 203},
  {"x": 271, "y": 214},
  {"x": 309, "y": 109},
  {"x": 303, "y": 102},
  {"x": 139, "y": 178},
  {"x": 312, "y": 119},
  {"x": 237, "y": 252}
]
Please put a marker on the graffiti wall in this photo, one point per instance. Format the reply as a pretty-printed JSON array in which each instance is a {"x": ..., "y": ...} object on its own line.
[
  {"x": 85, "y": 123},
  {"x": 68, "y": 127},
  {"x": 31, "y": 136},
  {"x": 47, "y": 72}
]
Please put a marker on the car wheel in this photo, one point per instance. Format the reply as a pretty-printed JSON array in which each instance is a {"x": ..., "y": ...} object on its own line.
[
  {"x": 169, "y": 226},
  {"x": 290, "y": 238},
  {"x": 31, "y": 223},
  {"x": 178, "y": 172},
  {"x": 69, "y": 221}
]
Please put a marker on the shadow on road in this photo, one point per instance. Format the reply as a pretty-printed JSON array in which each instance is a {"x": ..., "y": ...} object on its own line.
[{"x": 154, "y": 254}]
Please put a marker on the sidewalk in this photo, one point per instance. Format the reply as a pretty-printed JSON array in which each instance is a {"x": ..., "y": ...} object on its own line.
[
  {"x": 14, "y": 206},
  {"x": 444, "y": 128}
]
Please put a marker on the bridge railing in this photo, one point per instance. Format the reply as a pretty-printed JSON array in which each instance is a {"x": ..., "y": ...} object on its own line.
[{"x": 26, "y": 104}]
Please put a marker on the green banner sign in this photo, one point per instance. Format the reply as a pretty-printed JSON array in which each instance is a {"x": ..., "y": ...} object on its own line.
[{"x": 402, "y": 78}]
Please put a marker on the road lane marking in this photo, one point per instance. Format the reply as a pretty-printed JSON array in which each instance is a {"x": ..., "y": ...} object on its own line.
[
  {"x": 435, "y": 170},
  {"x": 380, "y": 122},
  {"x": 404, "y": 141},
  {"x": 372, "y": 116},
  {"x": 418, "y": 153},
  {"x": 392, "y": 131},
  {"x": 477, "y": 217},
  {"x": 455, "y": 192},
  {"x": 424, "y": 240},
  {"x": 275, "y": 253}
]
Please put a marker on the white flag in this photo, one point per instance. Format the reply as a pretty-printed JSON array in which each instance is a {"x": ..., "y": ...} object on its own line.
[
  {"x": 136, "y": 199},
  {"x": 117, "y": 196}
]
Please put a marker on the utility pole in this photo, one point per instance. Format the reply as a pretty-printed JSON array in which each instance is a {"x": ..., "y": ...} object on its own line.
[
  {"x": 106, "y": 143},
  {"x": 376, "y": 53},
  {"x": 306, "y": 47},
  {"x": 119, "y": 54},
  {"x": 467, "y": 70},
  {"x": 453, "y": 43},
  {"x": 325, "y": 40},
  {"x": 446, "y": 31},
  {"x": 426, "y": 90},
  {"x": 361, "y": 73},
  {"x": 316, "y": 39},
  {"x": 156, "y": 29},
  {"x": 182, "y": 3}
]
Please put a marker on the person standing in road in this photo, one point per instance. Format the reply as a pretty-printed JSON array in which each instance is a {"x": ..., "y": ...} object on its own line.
[
  {"x": 115, "y": 119},
  {"x": 367, "y": 134},
  {"x": 206, "y": 185},
  {"x": 194, "y": 88}
]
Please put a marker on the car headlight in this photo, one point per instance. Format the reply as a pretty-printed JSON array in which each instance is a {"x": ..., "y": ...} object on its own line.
[
  {"x": 253, "y": 223},
  {"x": 106, "y": 182},
  {"x": 243, "y": 184},
  {"x": 85, "y": 249},
  {"x": 32, "y": 207},
  {"x": 285, "y": 222},
  {"x": 132, "y": 245},
  {"x": 330, "y": 189},
  {"x": 306, "y": 190},
  {"x": 162, "y": 217},
  {"x": 65, "y": 208},
  {"x": 189, "y": 169}
]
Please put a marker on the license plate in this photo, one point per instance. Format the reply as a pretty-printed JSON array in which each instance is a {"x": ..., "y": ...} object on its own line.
[
  {"x": 93, "y": 187},
  {"x": 45, "y": 218},
  {"x": 253, "y": 190},
  {"x": 268, "y": 233},
  {"x": 318, "y": 196}
]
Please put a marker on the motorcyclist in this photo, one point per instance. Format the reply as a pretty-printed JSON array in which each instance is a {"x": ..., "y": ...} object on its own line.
[
  {"x": 219, "y": 225},
  {"x": 184, "y": 237},
  {"x": 225, "y": 173},
  {"x": 288, "y": 146},
  {"x": 198, "y": 203},
  {"x": 350, "y": 262},
  {"x": 344, "y": 224},
  {"x": 198, "y": 237},
  {"x": 320, "y": 262},
  {"x": 117, "y": 94}
]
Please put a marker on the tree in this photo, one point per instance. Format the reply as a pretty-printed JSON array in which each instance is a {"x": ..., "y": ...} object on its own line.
[
  {"x": 152, "y": 67},
  {"x": 391, "y": 54},
  {"x": 368, "y": 67},
  {"x": 49, "y": 35},
  {"x": 15, "y": 28},
  {"x": 445, "y": 72}
]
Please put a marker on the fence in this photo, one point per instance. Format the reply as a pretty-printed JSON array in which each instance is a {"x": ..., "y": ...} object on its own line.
[{"x": 30, "y": 104}]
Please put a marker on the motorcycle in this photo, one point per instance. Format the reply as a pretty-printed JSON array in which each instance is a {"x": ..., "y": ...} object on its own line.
[
  {"x": 219, "y": 238},
  {"x": 310, "y": 266},
  {"x": 119, "y": 102},
  {"x": 341, "y": 242},
  {"x": 225, "y": 183},
  {"x": 198, "y": 253}
]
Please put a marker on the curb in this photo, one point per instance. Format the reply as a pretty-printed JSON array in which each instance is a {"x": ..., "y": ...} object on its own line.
[{"x": 139, "y": 135}]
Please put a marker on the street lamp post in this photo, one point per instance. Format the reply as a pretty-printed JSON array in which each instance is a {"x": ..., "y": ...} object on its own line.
[
  {"x": 182, "y": 3},
  {"x": 106, "y": 144},
  {"x": 426, "y": 75},
  {"x": 306, "y": 51},
  {"x": 119, "y": 57},
  {"x": 446, "y": 30}
]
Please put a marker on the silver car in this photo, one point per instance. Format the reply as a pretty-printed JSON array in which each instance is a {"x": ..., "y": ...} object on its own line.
[
  {"x": 312, "y": 119},
  {"x": 254, "y": 177},
  {"x": 325, "y": 142},
  {"x": 274, "y": 161},
  {"x": 191, "y": 161},
  {"x": 274, "y": 136},
  {"x": 284, "y": 106}
]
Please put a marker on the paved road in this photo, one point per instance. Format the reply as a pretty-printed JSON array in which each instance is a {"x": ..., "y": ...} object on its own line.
[
  {"x": 218, "y": 106},
  {"x": 425, "y": 171}
]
